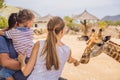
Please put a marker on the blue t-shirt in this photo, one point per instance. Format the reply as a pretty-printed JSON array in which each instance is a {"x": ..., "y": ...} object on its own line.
[{"x": 6, "y": 47}]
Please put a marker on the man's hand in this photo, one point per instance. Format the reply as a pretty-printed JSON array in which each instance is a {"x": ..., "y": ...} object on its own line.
[{"x": 1, "y": 33}]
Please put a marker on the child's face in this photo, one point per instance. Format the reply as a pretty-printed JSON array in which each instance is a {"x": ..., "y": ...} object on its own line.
[{"x": 30, "y": 23}]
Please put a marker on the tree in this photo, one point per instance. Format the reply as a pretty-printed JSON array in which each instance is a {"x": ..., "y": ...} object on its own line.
[
  {"x": 71, "y": 24},
  {"x": 3, "y": 22},
  {"x": 68, "y": 21},
  {"x": 1, "y": 3}
]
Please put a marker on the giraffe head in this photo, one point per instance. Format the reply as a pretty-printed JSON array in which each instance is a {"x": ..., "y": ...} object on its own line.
[{"x": 94, "y": 46}]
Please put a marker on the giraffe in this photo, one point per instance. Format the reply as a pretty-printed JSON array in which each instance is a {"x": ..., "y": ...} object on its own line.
[{"x": 97, "y": 45}]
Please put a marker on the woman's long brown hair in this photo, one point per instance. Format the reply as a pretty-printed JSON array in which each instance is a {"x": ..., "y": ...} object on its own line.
[{"x": 54, "y": 26}]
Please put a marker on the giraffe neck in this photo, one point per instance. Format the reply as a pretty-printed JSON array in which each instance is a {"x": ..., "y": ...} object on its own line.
[{"x": 113, "y": 50}]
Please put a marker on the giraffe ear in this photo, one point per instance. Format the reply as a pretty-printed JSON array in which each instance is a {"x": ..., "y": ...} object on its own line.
[
  {"x": 85, "y": 38},
  {"x": 106, "y": 38}
]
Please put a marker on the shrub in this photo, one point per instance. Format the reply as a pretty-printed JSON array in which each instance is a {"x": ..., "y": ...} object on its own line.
[
  {"x": 117, "y": 23},
  {"x": 71, "y": 24},
  {"x": 1, "y": 3},
  {"x": 102, "y": 24},
  {"x": 3, "y": 22}
]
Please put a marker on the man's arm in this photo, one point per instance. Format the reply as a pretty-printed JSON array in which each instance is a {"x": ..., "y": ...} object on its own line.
[{"x": 7, "y": 62}]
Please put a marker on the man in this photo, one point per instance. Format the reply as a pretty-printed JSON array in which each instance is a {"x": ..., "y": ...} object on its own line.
[
  {"x": 7, "y": 57},
  {"x": 8, "y": 54}
]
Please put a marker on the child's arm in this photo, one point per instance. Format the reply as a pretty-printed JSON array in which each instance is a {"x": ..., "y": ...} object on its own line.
[
  {"x": 27, "y": 68},
  {"x": 2, "y": 33},
  {"x": 72, "y": 60},
  {"x": 7, "y": 34}
]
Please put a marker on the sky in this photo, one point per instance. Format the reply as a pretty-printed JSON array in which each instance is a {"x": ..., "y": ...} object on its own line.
[{"x": 99, "y": 8}]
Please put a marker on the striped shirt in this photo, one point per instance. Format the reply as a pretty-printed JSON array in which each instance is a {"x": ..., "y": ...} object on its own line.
[{"x": 22, "y": 39}]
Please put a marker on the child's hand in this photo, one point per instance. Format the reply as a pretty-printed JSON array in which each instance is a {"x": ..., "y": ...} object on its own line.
[{"x": 76, "y": 63}]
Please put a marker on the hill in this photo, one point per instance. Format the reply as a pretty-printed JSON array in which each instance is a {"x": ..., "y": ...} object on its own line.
[
  {"x": 6, "y": 11},
  {"x": 111, "y": 18}
]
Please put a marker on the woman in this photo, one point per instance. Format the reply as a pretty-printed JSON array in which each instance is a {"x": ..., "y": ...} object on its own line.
[{"x": 50, "y": 55}]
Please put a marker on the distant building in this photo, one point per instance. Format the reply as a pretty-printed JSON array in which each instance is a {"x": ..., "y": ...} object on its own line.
[
  {"x": 42, "y": 21},
  {"x": 85, "y": 16},
  {"x": 45, "y": 19}
]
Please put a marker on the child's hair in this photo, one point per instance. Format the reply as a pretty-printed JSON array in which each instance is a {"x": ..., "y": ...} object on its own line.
[
  {"x": 24, "y": 15},
  {"x": 12, "y": 20},
  {"x": 54, "y": 26}
]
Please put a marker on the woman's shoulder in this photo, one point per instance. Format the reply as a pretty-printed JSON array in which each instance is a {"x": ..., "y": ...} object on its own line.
[
  {"x": 65, "y": 45},
  {"x": 66, "y": 50},
  {"x": 40, "y": 42}
]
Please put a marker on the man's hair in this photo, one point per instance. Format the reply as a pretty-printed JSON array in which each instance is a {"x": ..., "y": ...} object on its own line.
[{"x": 12, "y": 20}]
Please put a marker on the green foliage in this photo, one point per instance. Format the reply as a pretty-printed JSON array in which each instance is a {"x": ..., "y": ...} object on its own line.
[
  {"x": 67, "y": 18},
  {"x": 102, "y": 24},
  {"x": 70, "y": 23},
  {"x": 117, "y": 23},
  {"x": 1, "y": 3},
  {"x": 109, "y": 22},
  {"x": 3, "y": 22}
]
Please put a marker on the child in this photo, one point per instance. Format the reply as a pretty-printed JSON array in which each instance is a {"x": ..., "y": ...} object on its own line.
[
  {"x": 22, "y": 35},
  {"x": 48, "y": 56}
]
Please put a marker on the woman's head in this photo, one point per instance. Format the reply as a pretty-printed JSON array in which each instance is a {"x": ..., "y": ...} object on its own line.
[
  {"x": 25, "y": 17},
  {"x": 12, "y": 20},
  {"x": 55, "y": 27}
]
